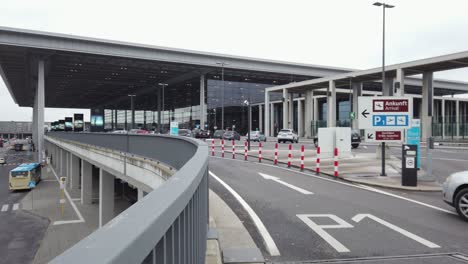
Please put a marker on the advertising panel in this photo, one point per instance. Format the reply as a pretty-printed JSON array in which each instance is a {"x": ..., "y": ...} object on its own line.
[
  {"x": 68, "y": 123},
  {"x": 78, "y": 124},
  {"x": 97, "y": 120},
  {"x": 413, "y": 137}
]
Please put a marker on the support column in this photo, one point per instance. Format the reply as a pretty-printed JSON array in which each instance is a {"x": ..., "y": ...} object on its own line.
[
  {"x": 272, "y": 119},
  {"x": 443, "y": 118},
  {"x": 159, "y": 128},
  {"x": 74, "y": 172},
  {"x": 115, "y": 119},
  {"x": 132, "y": 106},
  {"x": 63, "y": 161},
  {"x": 202, "y": 102},
  {"x": 300, "y": 119},
  {"x": 260, "y": 118},
  {"x": 331, "y": 103},
  {"x": 34, "y": 122},
  {"x": 267, "y": 114},
  {"x": 285, "y": 109},
  {"x": 427, "y": 104},
  {"x": 40, "y": 109},
  {"x": 106, "y": 197},
  {"x": 387, "y": 87},
  {"x": 457, "y": 117},
  {"x": 399, "y": 83},
  {"x": 291, "y": 111},
  {"x": 86, "y": 182},
  {"x": 140, "y": 194},
  {"x": 308, "y": 113},
  {"x": 357, "y": 91}
]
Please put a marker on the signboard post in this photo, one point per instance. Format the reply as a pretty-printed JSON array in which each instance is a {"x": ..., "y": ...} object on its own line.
[
  {"x": 413, "y": 137},
  {"x": 384, "y": 118}
]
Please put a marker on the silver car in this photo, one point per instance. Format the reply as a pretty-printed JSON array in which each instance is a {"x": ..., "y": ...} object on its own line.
[{"x": 455, "y": 193}]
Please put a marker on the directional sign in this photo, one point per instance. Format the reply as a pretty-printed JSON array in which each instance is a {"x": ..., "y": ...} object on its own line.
[
  {"x": 373, "y": 135},
  {"x": 385, "y": 113}
]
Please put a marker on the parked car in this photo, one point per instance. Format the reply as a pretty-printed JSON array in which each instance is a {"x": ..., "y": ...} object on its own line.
[
  {"x": 119, "y": 132},
  {"x": 218, "y": 134},
  {"x": 185, "y": 132},
  {"x": 231, "y": 135},
  {"x": 256, "y": 136},
  {"x": 2, "y": 160},
  {"x": 455, "y": 193},
  {"x": 200, "y": 133},
  {"x": 138, "y": 131},
  {"x": 355, "y": 139},
  {"x": 287, "y": 135}
]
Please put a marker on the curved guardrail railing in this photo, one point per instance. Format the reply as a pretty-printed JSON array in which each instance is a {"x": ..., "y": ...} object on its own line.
[{"x": 168, "y": 225}]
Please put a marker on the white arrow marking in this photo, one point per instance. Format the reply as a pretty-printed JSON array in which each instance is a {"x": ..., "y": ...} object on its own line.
[
  {"x": 276, "y": 179},
  {"x": 408, "y": 234}
]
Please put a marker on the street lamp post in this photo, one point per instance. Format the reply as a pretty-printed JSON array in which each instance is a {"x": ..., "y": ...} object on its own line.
[
  {"x": 384, "y": 6},
  {"x": 249, "y": 126},
  {"x": 222, "y": 92},
  {"x": 162, "y": 119}
]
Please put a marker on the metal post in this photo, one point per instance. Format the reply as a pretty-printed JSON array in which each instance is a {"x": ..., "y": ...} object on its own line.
[
  {"x": 250, "y": 126},
  {"x": 132, "y": 108}
]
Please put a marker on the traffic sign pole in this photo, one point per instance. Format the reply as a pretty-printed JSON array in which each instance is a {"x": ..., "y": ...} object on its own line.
[{"x": 383, "y": 160}]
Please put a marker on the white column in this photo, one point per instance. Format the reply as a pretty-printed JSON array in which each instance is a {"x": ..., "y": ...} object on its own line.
[
  {"x": 357, "y": 91},
  {"x": 427, "y": 104},
  {"x": 106, "y": 197},
  {"x": 260, "y": 118},
  {"x": 291, "y": 111},
  {"x": 457, "y": 117},
  {"x": 267, "y": 114},
  {"x": 300, "y": 119},
  {"x": 74, "y": 172},
  {"x": 272, "y": 119},
  {"x": 387, "y": 88},
  {"x": 285, "y": 109},
  {"x": 40, "y": 110},
  {"x": 400, "y": 82},
  {"x": 202, "y": 102},
  {"x": 86, "y": 182},
  {"x": 63, "y": 163},
  {"x": 443, "y": 118},
  {"x": 308, "y": 113},
  {"x": 331, "y": 103},
  {"x": 34, "y": 121},
  {"x": 140, "y": 194}
]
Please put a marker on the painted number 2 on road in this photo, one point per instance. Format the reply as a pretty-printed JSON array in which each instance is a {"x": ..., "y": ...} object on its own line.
[{"x": 340, "y": 223}]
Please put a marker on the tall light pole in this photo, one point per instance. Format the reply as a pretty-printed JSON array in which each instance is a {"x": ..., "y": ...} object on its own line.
[
  {"x": 162, "y": 119},
  {"x": 384, "y": 6},
  {"x": 222, "y": 92}
]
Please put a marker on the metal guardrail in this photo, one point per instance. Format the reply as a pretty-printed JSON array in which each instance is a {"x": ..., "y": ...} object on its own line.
[{"x": 169, "y": 225}]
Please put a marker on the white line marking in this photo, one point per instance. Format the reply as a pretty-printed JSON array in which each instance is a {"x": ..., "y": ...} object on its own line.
[
  {"x": 49, "y": 180},
  {"x": 358, "y": 186},
  {"x": 81, "y": 219},
  {"x": 395, "y": 228},
  {"x": 267, "y": 239},
  {"x": 5, "y": 207},
  {"x": 445, "y": 159},
  {"x": 460, "y": 257},
  {"x": 276, "y": 179},
  {"x": 319, "y": 229},
  {"x": 15, "y": 206}
]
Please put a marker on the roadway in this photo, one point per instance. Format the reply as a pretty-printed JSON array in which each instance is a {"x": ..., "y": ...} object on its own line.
[
  {"x": 21, "y": 231},
  {"x": 311, "y": 218}
]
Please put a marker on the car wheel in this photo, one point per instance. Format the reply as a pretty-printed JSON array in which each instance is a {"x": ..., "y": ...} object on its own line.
[
  {"x": 461, "y": 204},
  {"x": 355, "y": 146}
]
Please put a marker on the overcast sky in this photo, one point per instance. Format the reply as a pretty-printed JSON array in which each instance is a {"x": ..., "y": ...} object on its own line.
[{"x": 341, "y": 33}]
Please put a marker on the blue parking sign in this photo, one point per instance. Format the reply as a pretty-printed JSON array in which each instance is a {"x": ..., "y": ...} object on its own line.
[{"x": 390, "y": 120}]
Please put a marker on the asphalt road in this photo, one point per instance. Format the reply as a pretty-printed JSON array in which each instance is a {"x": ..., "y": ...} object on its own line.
[
  {"x": 360, "y": 223},
  {"x": 21, "y": 231}
]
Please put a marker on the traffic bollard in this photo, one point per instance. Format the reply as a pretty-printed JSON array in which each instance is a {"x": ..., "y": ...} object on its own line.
[
  {"x": 336, "y": 162},
  {"x": 302, "y": 157},
  {"x": 317, "y": 167},
  {"x": 245, "y": 150},
  {"x": 276, "y": 154},
  {"x": 233, "y": 149},
  {"x": 212, "y": 147},
  {"x": 222, "y": 148},
  {"x": 260, "y": 152},
  {"x": 289, "y": 155}
]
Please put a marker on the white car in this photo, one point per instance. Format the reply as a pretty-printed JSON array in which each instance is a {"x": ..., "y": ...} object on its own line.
[
  {"x": 287, "y": 135},
  {"x": 455, "y": 193},
  {"x": 2, "y": 160}
]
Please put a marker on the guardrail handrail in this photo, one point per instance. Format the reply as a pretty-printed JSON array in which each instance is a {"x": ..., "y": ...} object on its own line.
[{"x": 168, "y": 225}]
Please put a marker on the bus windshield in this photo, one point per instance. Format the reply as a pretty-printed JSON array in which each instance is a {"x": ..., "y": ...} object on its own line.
[{"x": 19, "y": 173}]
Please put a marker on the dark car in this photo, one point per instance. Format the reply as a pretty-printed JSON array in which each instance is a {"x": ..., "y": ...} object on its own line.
[
  {"x": 231, "y": 135},
  {"x": 202, "y": 133},
  {"x": 218, "y": 134},
  {"x": 355, "y": 139}
]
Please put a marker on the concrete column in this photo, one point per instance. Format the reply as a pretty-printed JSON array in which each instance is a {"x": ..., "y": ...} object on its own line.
[
  {"x": 132, "y": 108},
  {"x": 140, "y": 194},
  {"x": 106, "y": 197},
  {"x": 457, "y": 117},
  {"x": 427, "y": 104},
  {"x": 267, "y": 114},
  {"x": 272, "y": 119},
  {"x": 62, "y": 162},
  {"x": 285, "y": 109},
  {"x": 202, "y": 102},
  {"x": 357, "y": 91},
  {"x": 86, "y": 182},
  {"x": 399, "y": 83},
  {"x": 443, "y": 118},
  {"x": 300, "y": 118},
  {"x": 74, "y": 172},
  {"x": 308, "y": 113},
  {"x": 115, "y": 119},
  {"x": 40, "y": 109},
  {"x": 316, "y": 109},
  {"x": 387, "y": 88},
  {"x": 34, "y": 121},
  {"x": 331, "y": 103},
  {"x": 159, "y": 128},
  {"x": 260, "y": 118},
  {"x": 291, "y": 111}
]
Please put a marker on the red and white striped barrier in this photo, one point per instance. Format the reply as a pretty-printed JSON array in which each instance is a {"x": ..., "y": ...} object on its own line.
[
  {"x": 245, "y": 150},
  {"x": 212, "y": 147},
  {"x": 289, "y": 155},
  {"x": 276, "y": 154},
  {"x": 335, "y": 161},
  {"x": 302, "y": 157},
  {"x": 317, "y": 167},
  {"x": 260, "y": 152},
  {"x": 222, "y": 148},
  {"x": 233, "y": 149}
]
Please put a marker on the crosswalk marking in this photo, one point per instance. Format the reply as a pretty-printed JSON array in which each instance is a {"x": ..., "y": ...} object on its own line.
[
  {"x": 5, "y": 207},
  {"x": 15, "y": 206}
]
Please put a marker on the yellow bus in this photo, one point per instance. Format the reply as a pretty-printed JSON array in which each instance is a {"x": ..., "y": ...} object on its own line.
[{"x": 24, "y": 176}]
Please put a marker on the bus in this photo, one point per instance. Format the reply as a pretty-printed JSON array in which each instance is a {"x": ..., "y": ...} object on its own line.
[{"x": 21, "y": 176}]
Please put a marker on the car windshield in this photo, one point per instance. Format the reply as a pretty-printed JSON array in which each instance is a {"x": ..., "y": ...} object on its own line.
[{"x": 285, "y": 131}]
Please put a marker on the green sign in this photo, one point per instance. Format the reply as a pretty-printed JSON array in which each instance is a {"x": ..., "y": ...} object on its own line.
[{"x": 352, "y": 115}]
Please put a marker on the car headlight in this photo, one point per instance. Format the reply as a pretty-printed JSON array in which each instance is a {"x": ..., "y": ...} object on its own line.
[{"x": 449, "y": 178}]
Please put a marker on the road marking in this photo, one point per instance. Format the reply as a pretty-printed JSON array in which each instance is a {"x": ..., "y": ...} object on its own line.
[
  {"x": 5, "y": 207},
  {"x": 267, "y": 239},
  {"x": 80, "y": 217},
  {"x": 319, "y": 229},
  {"x": 395, "y": 228},
  {"x": 276, "y": 179},
  {"x": 15, "y": 206},
  {"x": 358, "y": 186},
  {"x": 446, "y": 159}
]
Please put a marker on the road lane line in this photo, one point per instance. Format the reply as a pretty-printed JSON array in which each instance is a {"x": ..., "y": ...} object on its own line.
[
  {"x": 358, "y": 186},
  {"x": 276, "y": 179},
  {"x": 267, "y": 239},
  {"x": 445, "y": 159},
  {"x": 5, "y": 207},
  {"x": 15, "y": 206}
]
